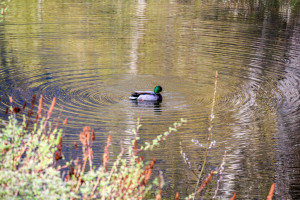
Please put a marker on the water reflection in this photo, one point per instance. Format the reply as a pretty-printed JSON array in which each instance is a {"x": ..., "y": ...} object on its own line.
[
  {"x": 288, "y": 148},
  {"x": 147, "y": 105},
  {"x": 137, "y": 34}
]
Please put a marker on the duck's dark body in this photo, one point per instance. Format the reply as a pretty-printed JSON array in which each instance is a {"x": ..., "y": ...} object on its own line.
[{"x": 147, "y": 95}]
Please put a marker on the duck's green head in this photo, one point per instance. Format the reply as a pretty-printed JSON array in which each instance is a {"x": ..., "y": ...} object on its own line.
[{"x": 157, "y": 89}]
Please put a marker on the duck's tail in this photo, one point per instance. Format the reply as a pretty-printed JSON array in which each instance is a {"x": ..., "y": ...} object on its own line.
[{"x": 134, "y": 96}]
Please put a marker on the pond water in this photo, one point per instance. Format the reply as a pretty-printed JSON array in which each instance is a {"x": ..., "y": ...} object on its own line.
[{"x": 91, "y": 55}]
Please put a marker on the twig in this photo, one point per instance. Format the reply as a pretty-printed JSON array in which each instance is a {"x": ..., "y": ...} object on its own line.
[
  {"x": 184, "y": 159},
  {"x": 116, "y": 163},
  {"x": 82, "y": 172},
  {"x": 271, "y": 192},
  {"x": 49, "y": 114},
  {"x": 233, "y": 196},
  {"x": 161, "y": 183},
  {"x": 62, "y": 167},
  {"x": 111, "y": 172},
  {"x": 17, "y": 159},
  {"x": 177, "y": 196},
  {"x": 148, "y": 171},
  {"x": 207, "y": 180},
  {"x": 202, "y": 186},
  {"x": 106, "y": 153},
  {"x": 39, "y": 115},
  {"x": 209, "y": 131},
  {"x": 220, "y": 175},
  {"x": 89, "y": 149}
]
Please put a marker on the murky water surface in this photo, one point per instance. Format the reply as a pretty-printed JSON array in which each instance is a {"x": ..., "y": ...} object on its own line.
[{"x": 91, "y": 55}]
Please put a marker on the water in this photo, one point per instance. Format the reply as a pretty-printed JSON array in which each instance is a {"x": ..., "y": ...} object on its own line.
[{"x": 91, "y": 55}]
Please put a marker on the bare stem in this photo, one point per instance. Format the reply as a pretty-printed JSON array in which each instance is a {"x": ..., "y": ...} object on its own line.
[
  {"x": 220, "y": 175},
  {"x": 82, "y": 172},
  {"x": 209, "y": 138}
]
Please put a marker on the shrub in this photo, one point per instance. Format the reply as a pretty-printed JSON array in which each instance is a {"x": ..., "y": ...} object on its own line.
[{"x": 30, "y": 163}]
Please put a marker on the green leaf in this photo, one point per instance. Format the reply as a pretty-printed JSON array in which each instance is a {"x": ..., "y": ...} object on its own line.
[
  {"x": 183, "y": 120},
  {"x": 139, "y": 126},
  {"x": 172, "y": 129},
  {"x": 133, "y": 131}
]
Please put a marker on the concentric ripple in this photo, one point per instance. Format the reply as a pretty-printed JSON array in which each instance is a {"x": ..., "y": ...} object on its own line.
[{"x": 91, "y": 55}]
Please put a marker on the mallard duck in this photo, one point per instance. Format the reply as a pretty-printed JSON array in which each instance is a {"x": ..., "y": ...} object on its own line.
[{"x": 147, "y": 95}]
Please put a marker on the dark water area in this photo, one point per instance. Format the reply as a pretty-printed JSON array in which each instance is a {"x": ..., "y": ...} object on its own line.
[{"x": 91, "y": 55}]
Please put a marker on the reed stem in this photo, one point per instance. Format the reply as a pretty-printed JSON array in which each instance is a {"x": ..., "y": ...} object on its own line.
[{"x": 209, "y": 138}]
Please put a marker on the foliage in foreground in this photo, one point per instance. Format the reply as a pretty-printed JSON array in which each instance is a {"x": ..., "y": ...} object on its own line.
[
  {"x": 3, "y": 8},
  {"x": 30, "y": 163},
  {"x": 27, "y": 168}
]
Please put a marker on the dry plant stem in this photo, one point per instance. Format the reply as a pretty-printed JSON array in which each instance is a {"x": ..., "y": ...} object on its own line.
[
  {"x": 57, "y": 123},
  {"x": 148, "y": 171},
  {"x": 106, "y": 153},
  {"x": 209, "y": 131},
  {"x": 49, "y": 114},
  {"x": 115, "y": 164},
  {"x": 177, "y": 196},
  {"x": 62, "y": 167},
  {"x": 271, "y": 192},
  {"x": 39, "y": 115},
  {"x": 207, "y": 180},
  {"x": 18, "y": 158},
  {"x": 161, "y": 183},
  {"x": 65, "y": 121},
  {"x": 233, "y": 196},
  {"x": 203, "y": 185},
  {"x": 220, "y": 175},
  {"x": 181, "y": 152},
  {"x": 82, "y": 171},
  {"x": 111, "y": 173},
  {"x": 89, "y": 151}
]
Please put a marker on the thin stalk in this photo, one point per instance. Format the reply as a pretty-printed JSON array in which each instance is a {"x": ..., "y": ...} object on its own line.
[
  {"x": 82, "y": 172},
  {"x": 49, "y": 114},
  {"x": 184, "y": 159},
  {"x": 89, "y": 151},
  {"x": 160, "y": 186},
  {"x": 220, "y": 175},
  {"x": 111, "y": 172},
  {"x": 271, "y": 192},
  {"x": 209, "y": 138},
  {"x": 233, "y": 196}
]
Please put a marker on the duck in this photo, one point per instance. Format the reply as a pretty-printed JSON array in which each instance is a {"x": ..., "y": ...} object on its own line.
[{"x": 147, "y": 95}]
